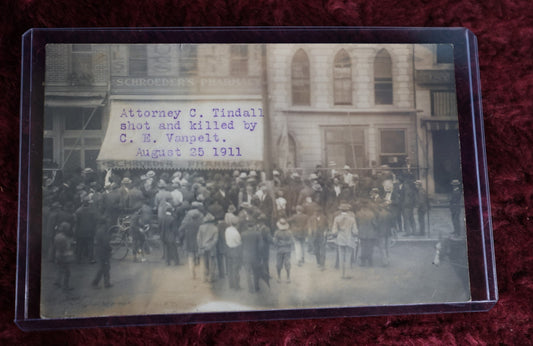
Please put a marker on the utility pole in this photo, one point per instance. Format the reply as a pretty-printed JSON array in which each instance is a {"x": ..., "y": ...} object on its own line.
[{"x": 267, "y": 131}]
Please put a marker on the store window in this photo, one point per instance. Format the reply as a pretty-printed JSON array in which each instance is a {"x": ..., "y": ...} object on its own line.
[
  {"x": 83, "y": 118},
  {"x": 239, "y": 60},
  {"x": 444, "y": 54},
  {"x": 300, "y": 79},
  {"x": 342, "y": 79},
  {"x": 345, "y": 145},
  {"x": 82, "y": 137},
  {"x": 393, "y": 147},
  {"x": 383, "y": 78},
  {"x": 443, "y": 103}
]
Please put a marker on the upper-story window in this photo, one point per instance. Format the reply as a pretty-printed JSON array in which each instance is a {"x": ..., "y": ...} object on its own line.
[
  {"x": 342, "y": 79},
  {"x": 300, "y": 79},
  {"x": 443, "y": 103},
  {"x": 239, "y": 60},
  {"x": 444, "y": 54},
  {"x": 82, "y": 64},
  {"x": 138, "y": 62},
  {"x": 383, "y": 78},
  {"x": 188, "y": 60}
]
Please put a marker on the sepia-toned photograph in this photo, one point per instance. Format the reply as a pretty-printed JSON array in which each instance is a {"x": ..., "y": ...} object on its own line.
[{"x": 192, "y": 178}]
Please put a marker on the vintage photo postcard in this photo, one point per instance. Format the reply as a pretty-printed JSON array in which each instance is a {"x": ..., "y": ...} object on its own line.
[{"x": 186, "y": 178}]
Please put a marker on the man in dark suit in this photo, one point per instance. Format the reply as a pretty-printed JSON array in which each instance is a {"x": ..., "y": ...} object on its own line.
[
  {"x": 252, "y": 244},
  {"x": 265, "y": 203}
]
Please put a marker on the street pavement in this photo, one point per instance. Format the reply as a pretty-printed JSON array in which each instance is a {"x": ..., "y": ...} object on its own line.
[{"x": 152, "y": 287}]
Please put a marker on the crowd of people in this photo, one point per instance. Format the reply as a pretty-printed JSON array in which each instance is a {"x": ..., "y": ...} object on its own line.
[{"x": 228, "y": 223}]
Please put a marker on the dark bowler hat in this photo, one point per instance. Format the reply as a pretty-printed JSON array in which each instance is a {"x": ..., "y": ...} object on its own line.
[{"x": 282, "y": 224}]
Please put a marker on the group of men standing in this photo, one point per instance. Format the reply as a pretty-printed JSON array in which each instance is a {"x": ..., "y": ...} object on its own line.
[{"x": 225, "y": 222}]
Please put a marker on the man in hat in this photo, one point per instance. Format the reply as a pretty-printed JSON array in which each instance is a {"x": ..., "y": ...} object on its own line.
[
  {"x": 281, "y": 205},
  {"x": 246, "y": 195},
  {"x": 85, "y": 229},
  {"x": 233, "y": 242},
  {"x": 188, "y": 231},
  {"x": 124, "y": 192},
  {"x": 50, "y": 230},
  {"x": 298, "y": 225},
  {"x": 252, "y": 244},
  {"x": 217, "y": 211},
  {"x": 112, "y": 204},
  {"x": 455, "y": 206},
  {"x": 347, "y": 176},
  {"x": 221, "y": 195},
  {"x": 264, "y": 203},
  {"x": 367, "y": 232},
  {"x": 283, "y": 241},
  {"x": 345, "y": 227},
  {"x": 64, "y": 255},
  {"x": 295, "y": 185},
  {"x": 103, "y": 254},
  {"x": 336, "y": 194},
  {"x": 169, "y": 235},
  {"x": 207, "y": 240},
  {"x": 317, "y": 225},
  {"x": 408, "y": 200},
  {"x": 421, "y": 204},
  {"x": 175, "y": 192}
]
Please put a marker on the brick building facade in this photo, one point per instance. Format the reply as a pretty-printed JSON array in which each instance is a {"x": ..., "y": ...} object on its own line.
[{"x": 361, "y": 105}]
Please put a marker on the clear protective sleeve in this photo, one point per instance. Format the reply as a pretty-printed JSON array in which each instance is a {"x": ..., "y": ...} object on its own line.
[{"x": 479, "y": 240}]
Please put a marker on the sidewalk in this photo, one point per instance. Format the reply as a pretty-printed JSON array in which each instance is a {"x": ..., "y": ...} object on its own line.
[{"x": 440, "y": 226}]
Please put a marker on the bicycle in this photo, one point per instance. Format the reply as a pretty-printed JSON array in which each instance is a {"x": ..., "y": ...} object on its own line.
[{"x": 121, "y": 239}]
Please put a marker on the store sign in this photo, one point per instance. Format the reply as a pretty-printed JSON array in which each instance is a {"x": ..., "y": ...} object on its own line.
[
  {"x": 184, "y": 134},
  {"x": 187, "y": 85}
]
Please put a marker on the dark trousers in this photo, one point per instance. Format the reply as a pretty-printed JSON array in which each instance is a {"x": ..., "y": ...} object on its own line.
[
  {"x": 234, "y": 266},
  {"x": 104, "y": 268},
  {"x": 172, "y": 253},
  {"x": 84, "y": 248},
  {"x": 265, "y": 259},
  {"x": 233, "y": 257},
  {"x": 283, "y": 259},
  {"x": 222, "y": 265},
  {"x": 209, "y": 262},
  {"x": 456, "y": 216},
  {"x": 344, "y": 253},
  {"x": 252, "y": 270},
  {"x": 408, "y": 220},
  {"x": 422, "y": 220},
  {"x": 367, "y": 251},
  {"x": 63, "y": 274},
  {"x": 319, "y": 247}
]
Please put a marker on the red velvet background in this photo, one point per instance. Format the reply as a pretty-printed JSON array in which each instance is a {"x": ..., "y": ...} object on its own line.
[{"x": 505, "y": 33}]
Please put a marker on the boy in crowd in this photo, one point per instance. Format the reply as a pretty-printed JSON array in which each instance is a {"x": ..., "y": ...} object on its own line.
[{"x": 283, "y": 241}]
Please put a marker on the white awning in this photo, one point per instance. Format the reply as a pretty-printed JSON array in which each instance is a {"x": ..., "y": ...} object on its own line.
[
  {"x": 183, "y": 135},
  {"x": 78, "y": 99}
]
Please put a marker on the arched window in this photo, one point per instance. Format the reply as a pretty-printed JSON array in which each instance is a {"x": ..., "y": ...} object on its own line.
[
  {"x": 301, "y": 91},
  {"x": 342, "y": 79},
  {"x": 383, "y": 78}
]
